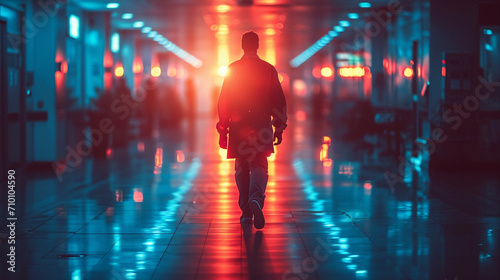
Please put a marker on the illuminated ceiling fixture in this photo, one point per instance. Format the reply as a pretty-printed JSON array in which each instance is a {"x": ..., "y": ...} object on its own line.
[
  {"x": 158, "y": 38},
  {"x": 352, "y": 15},
  {"x": 127, "y": 16},
  {"x": 365, "y": 5},
  {"x": 488, "y": 32},
  {"x": 182, "y": 54},
  {"x": 305, "y": 55},
  {"x": 223, "y": 8},
  {"x": 146, "y": 29},
  {"x": 138, "y": 24},
  {"x": 344, "y": 23},
  {"x": 270, "y": 31},
  {"x": 339, "y": 29},
  {"x": 112, "y": 5},
  {"x": 151, "y": 34}
]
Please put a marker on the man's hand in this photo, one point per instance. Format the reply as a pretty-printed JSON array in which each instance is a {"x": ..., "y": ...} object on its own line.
[
  {"x": 278, "y": 137},
  {"x": 223, "y": 140}
]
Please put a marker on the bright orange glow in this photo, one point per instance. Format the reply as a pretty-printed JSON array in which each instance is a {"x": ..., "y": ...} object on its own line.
[
  {"x": 327, "y": 162},
  {"x": 300, "y": 115},
  {"x": 323, "y": 154},
  {"x": 159, "y": 157},
  {"x": 270, "y": 50},
  {"x": 223, "y": 29},
  {"x": 180, "y": 156},
  {"x": 223, "y": 8},
  {"x": 137, "y": 67},
  {"x": 223, "y": 154},
  {"x": 119, "y": 71},
  {"x": 408, "y": 72},
  {"x": 140, "y": 146},
  {"x": 222, "y": 71},
  {"x": 138, "y": 197},
  {"x": 156, "y": 71},
  {"x": 326, "y": 72},
  {"x": 419, "y": 71},
  {"x": 299, "y": 87},
  {"x": 352, "y": 71},
  {"x": 280, "y": 78},
  {"x": 327, "y": 140},
  {"x": 443, "y": 71},
  {"x": 272, "y": 157},
  {"x": 270, "y": 31},
  {"x": 171, "y": 71},
  {"x": 64, "y": 67}
]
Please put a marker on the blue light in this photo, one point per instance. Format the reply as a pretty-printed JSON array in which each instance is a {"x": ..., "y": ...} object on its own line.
[
  {"x": 152, "y": 34},
  {"x": 146, "y": 29},
  {"x": 115, "y": 42},
  {"x": 353, "y": 16},
  {"x": 138, "y": 24},
  {"x": 74, "y": 26},
  {"x": 332, "y": 33},
  {"x": 338, "y": 28},
  {"x": 488, "y": 32},
  {"x": 112, "y": 5},
  {"x": 127, "y": 16},
  {"x": 344, "y": 23},
  {"x": 158, "y": 37},
  {"x": 365, "y": 5}
]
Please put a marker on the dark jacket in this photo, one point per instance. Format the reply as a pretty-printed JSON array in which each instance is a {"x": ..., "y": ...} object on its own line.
[{"x": 251, "y": 101}]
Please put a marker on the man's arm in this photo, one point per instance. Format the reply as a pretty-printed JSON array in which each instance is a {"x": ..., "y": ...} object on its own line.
[
  {"x": 223, "y": 108},
  {"x": 278, "y": 110}
]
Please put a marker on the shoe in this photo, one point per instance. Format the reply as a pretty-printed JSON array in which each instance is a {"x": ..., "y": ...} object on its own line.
[
  {"x": 245, "y": 220},
  {"x": 258, "y": 216}
]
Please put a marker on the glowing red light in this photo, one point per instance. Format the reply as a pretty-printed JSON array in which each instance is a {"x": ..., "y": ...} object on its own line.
[
  {"x": 64, "y": 67},
  {"x": 138, "y": 197},
  {"x": 180, "y": 156},
  {"x": 137, "y": 67},
  {"x": 300, "y": 115},
  {"x": 316, "y": 72},
  {"x": 109, "y": 153},
  {"x": 140, "y": 146},
  {"x": 443, "y": 71}
]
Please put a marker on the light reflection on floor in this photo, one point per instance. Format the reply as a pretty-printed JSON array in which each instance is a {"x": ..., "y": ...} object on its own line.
[{"x": 167, "y": 209}]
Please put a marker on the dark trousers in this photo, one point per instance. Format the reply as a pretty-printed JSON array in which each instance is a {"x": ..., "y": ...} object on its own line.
[{"x": 251, "y": 179}]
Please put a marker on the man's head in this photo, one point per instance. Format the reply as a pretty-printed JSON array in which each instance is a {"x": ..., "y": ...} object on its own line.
[{"x": 250, "y": 42}]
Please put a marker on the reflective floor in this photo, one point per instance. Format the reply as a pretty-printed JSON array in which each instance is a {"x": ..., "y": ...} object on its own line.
[{"x": 167, "y": 209}]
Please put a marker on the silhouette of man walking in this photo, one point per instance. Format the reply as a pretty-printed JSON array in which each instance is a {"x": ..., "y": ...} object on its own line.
[{"x": 251, "y": 103}]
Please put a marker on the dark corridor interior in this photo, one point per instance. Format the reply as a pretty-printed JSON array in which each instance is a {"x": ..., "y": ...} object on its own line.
[{"x": 110, "y": 159}]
